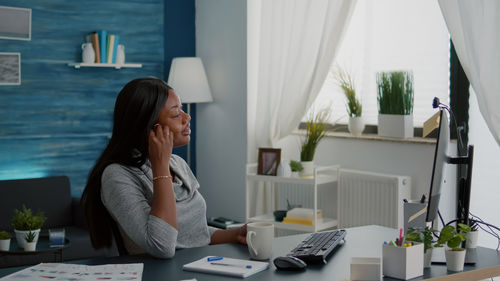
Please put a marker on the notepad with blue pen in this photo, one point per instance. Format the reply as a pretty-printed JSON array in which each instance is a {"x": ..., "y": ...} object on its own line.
[{"x": 226, "y": 266}]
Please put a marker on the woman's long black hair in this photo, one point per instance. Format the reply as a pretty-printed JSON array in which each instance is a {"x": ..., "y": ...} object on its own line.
[{"x": 137, "y": 108}]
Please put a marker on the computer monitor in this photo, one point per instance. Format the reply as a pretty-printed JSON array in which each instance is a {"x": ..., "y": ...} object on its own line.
[{"x": 441, "y": 159}]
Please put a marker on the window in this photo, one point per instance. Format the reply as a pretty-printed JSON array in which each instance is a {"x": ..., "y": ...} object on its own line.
[{"x": 387, "y": 35}]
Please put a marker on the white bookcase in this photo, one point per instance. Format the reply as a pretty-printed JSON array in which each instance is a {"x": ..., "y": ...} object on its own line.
[{"x": 325, "y": 176}]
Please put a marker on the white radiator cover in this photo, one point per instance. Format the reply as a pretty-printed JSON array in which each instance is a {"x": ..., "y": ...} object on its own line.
[{"x": 366, "y": 198}]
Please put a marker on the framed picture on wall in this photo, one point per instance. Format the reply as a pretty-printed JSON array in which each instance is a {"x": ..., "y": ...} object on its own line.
[
  {"x": 10, "y": 68},
  {"x": 269, "y": 159}
]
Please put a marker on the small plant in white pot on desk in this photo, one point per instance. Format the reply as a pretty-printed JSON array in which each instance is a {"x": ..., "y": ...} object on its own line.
[
  {"x": 30, "y": 244},
  {"x": 356, "y": 124},
  {"x": 296, "y": 167},
  {"x": 424, "y": 235},
  {"x": 25, "y": 221},
  {"x": 4, "y": 241},
  {"x": 453, "y": 238},
  {"x": 472, "y": 236}
]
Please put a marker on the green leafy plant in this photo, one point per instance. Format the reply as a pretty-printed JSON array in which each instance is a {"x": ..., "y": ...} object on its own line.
[
  {"x": 452, "y": 236},
  {"x": 316, "y": 130},
  {"x": 346, "y": 83},
  {"x": 4, "y": 235},
  {"x": 423, "y": 235},
  {"x": 26, "y": 220},
  {"x": 395, "y": 92},
  {"x": 296, "y": 166},
  {"x": 30, "y": 237}
]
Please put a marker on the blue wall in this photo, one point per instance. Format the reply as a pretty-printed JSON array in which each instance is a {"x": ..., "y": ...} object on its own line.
[{"x": 59, "y": 119}]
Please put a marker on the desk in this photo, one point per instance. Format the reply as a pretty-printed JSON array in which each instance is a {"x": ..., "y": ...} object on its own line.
[{"x": 363, "y": 241}]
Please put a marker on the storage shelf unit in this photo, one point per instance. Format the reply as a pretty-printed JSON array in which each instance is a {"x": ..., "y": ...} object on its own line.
[
  {"x": 322, "y": 175},
  {"x": 113, "y": 65}
]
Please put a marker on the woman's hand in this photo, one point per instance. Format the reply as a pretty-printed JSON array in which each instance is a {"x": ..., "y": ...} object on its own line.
[
  {"x": 161, "y": 142},
  {"x": 241, "y": 235}
]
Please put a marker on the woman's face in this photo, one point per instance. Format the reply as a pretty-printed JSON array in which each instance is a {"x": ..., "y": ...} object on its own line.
[{"x": 177, "y": 120}]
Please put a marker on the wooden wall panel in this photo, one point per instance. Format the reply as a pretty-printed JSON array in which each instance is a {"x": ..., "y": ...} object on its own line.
[{"x": 59, "y": 119}]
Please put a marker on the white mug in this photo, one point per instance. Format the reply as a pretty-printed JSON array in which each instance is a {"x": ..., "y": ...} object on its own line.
[{"x": 260, "y": 240}]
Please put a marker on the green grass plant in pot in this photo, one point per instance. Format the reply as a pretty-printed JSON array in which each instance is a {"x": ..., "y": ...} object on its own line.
[
  {"x": 395, "y": 104},
  {"x": 4, "y": 241},
  {"x": 317, "y": 124},
  {"x": 25, "y": 221},
  {"x": 354, "y": 108},
  {"x": 423, "y": 235},
  {"x": 453, "y": 237},
  {"x": 472, "y": 235}
]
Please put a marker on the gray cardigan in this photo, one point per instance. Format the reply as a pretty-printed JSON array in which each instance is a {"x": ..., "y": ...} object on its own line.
[{"x": 127, "y": 194}]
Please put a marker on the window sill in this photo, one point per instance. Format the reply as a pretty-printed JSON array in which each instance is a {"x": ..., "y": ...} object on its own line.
[{"x": 373, "y": 137}]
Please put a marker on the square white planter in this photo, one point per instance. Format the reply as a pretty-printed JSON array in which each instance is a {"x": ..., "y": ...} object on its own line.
[
  {"x": 395, "y": 126},
  {"x": 403, "y": 262}
]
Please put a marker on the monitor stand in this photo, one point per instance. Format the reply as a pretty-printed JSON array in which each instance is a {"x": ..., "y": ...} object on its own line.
[{"x": 438, "y": 256}]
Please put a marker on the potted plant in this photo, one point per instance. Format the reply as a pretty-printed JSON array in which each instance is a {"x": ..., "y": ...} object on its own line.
[
  {"x": 424, "y": 235},
  {"x": 25, "y": 221},
  {"x": 353, "y": 105},
  {"x": 4, "y": 241},
  {"x": 472, "y": 236},
  {"x": 315, "y": 131},
  {"x": 30, "y": 243},
  {"x": 395, "y": 104},
  {"x": 296, "y": 167},
  {"x": 453, "y": 238}
]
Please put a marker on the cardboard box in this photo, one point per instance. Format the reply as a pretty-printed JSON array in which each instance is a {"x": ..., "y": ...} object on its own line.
[
  {"x": 364, "y": 269},
  {"x": 403, "y": 262}
]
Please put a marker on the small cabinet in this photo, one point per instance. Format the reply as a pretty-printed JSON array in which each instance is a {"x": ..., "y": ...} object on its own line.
[{"x": 319, "y": 190}]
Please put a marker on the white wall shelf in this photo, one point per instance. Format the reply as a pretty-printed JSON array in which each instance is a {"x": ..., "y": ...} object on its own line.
[
  {"x": 112, "y": 65},
  {"x": 322, "y": 175}
]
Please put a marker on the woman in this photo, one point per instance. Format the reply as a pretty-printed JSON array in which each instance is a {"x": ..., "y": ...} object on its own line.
[{"x": 138, "y": 191}]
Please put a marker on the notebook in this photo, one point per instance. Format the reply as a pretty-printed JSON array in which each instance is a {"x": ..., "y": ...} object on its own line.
[{"x": 227, "y": 266}]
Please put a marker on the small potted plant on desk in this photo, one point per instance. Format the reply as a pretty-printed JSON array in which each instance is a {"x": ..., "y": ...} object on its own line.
[
  {"x": 471, "y": 237},
  {"x": 296, "y": 167},
  {"x": 25, "y": 221},
  {"x": 424, "y": 235},
  {"x": 30, "y": 244},
  {"x": 453, "y": 238},
  {"x": 4, "y": 241}
]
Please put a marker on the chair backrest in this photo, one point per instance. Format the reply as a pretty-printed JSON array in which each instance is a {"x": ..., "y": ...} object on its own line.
[{"x": 51, "y": 195}]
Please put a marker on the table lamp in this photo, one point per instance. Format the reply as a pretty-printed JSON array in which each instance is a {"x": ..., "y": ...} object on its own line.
[{"x": 187, "y": 77}]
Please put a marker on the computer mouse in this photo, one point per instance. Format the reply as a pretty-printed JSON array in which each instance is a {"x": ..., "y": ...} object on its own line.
[{"x": 289, "y": 263}]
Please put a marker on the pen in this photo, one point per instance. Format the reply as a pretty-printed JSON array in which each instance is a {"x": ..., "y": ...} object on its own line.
[
  {"x": 229, "y": 264},
  {"x": 214, "y": 258}
]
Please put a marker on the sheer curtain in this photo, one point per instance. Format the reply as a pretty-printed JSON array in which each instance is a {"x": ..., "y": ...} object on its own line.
[
  {"x": 295, "y": 41},
  {"x": 474, "y": 28}
]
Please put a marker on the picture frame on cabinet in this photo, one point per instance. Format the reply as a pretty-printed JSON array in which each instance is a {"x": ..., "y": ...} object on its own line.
[
  {"x": 10, "y": 68},
  {"x": 269, "y": 159}
]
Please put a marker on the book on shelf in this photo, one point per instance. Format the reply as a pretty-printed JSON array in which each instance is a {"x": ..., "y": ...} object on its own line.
[
  {"x": 303, "y": 213},
  {"x": 102, "y": 45},
  {"x": 115, "y": 46},
  {"x": 300, "y": 221},
  {"x": 109, "y": 48},
  {"x": 94, "y": 39},
  {"x": 224, "y": 223}
]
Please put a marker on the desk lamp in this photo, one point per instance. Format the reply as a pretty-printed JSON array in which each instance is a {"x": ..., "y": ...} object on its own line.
[{"x": 187, "y": 77}]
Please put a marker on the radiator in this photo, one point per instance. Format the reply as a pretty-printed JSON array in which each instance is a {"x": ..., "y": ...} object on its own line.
[{"x": 366, "y": 198}]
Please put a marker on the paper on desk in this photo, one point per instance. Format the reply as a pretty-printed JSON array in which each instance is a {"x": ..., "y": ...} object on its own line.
[
  {"x": 78, "y": 272},
  {"x": 231, "y": 267}
]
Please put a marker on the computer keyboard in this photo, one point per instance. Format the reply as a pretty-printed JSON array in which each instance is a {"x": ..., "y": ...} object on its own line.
[{"x": 318, "y": 246}]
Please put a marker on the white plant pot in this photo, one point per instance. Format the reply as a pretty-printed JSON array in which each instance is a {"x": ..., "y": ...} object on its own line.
[
  {"x": 295, "y": 174},
  {"x": 29, "y": 246},
  {"x": 4, "y": 244},
  {"x": 308, "y": 168},
  {"x": 455, "y": 260},
  {"x": 395, "y": 126},
  {"x": 356, "y": 126},
  {"x": 427, "y": 258},
  {"x": 471, "y": 241},
  {"x": 21, "y": 236}
]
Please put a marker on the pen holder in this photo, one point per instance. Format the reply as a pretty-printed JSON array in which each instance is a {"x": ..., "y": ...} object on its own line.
[
  {"x": 368, "y": 269},
  {"x": 403, "y": 262}
]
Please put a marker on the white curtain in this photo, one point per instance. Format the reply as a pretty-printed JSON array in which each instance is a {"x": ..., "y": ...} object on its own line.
[
  {"x": 475, "y": 31},
  {"x": 296, "y": 41}
]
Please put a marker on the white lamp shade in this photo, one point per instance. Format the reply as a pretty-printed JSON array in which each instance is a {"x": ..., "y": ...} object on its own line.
[{"x": 187, "y": 77}]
